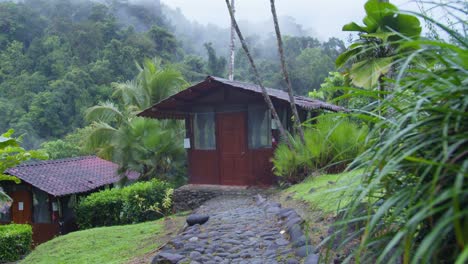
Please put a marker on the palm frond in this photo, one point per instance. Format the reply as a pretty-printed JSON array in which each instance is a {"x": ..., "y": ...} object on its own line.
[
  {"x": 100, "y": 137},
  {"x": 104, "y": 112}
]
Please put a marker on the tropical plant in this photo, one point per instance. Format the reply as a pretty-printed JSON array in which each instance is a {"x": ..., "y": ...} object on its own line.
[
  {"x": 11, "y": 155},
  {"x": 330, "y": 144},
  {"x": 139, "y": 144},
  {"x": 378, "y": 47},
  {"x": 410, "y": 206},
  {"x": 336, "y": 88},
  {"x": 152, "y": 84}
]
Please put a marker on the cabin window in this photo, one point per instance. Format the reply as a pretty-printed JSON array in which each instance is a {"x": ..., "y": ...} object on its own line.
[
  {"x": 41, "y": 207},
  {"x": 259, "y": 126},
  {"x": 204, "y": 129}
]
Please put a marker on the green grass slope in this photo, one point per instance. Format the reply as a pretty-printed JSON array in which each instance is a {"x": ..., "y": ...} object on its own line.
[
  {"x": 324, "y": 192},
  {"x": 116, "y": 244},
  {"x": 318, "y": 198}
]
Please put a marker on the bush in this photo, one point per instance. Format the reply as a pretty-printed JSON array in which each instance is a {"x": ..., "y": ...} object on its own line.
[
  {"x": 330, "y": 144},
  {"x": 15, "y": 241},
  {"x": 136, "y": 203}
]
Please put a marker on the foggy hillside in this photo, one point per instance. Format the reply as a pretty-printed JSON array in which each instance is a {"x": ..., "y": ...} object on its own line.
[
  {"x": 194, "y": 34},
  {"x": 141, "y": 14}
]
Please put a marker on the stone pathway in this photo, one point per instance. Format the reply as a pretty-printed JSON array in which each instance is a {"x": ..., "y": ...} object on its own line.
[{"x": 238, "y": 231}]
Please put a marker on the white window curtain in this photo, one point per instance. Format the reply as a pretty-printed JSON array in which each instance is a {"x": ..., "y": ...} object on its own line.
[
  {"x": 41, "y": 207},
  {"x": 204, "y": 130},
  {"x": 259, "y": 126}
]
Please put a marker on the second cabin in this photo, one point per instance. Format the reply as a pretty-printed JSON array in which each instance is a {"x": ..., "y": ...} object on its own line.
[{"x": 230, "y": 136}]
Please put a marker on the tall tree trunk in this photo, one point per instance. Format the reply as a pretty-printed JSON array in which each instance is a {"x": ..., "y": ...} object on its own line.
[
  {"x": 292, "y": 101},
  {"x": 267, "y": 98},
  {"x": 232, "y": 46}
]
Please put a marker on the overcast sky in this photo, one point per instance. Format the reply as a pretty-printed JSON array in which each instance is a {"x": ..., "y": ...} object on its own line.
[{"x": 325, "y": 17}]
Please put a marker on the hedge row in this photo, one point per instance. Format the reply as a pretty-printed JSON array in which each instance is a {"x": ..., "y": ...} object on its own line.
[
  {"x": 15, "y": 241},
  {"x": 132, "y": 204}
]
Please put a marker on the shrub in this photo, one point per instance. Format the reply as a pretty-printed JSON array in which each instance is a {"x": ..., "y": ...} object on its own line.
[
  {"x": 136, "y": 203},
  {"x": 15, "y": 241},
  {"x": 330, "y": 144}
]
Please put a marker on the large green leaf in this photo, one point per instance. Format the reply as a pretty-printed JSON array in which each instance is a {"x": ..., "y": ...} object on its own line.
[
  {"x": 408, "y": 25},
  {"x": 377, "y": 10},
  {"x": 366, "y": 73},
  {"x": 347, "y": 55},
  {"x": 353, "y": 27}
]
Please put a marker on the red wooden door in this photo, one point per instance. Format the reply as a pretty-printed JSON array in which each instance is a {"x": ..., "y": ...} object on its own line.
[
  {"x": 21, "y": 208},
  {"x": 232, "y": 148}
]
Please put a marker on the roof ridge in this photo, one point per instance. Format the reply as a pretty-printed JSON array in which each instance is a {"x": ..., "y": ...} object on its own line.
[{"x": 63, "y": 160}]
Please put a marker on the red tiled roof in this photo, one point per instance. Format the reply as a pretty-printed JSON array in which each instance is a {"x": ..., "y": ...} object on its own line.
[
  {"x": 170, "y": 107},
  {"x": 68, "y": 176}
]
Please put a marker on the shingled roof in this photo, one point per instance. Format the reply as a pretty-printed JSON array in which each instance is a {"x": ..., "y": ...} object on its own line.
[
  {"x": 68, "y": 176},
  {"x": 167, "y": 108}
]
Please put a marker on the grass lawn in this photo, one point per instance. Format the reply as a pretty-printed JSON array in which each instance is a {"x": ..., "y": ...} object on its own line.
[
  {"x": 117, "y": 244},
  {"x": 325, "y": 192}
]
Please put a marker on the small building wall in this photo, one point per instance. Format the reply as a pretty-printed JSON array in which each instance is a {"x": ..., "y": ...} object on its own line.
[
  {"x": 205, "y": 165},
  {"x": 22, "y": 211}
]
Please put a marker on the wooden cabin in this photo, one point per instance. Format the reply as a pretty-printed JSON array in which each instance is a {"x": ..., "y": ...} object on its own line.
[
  {"x": 48, "y": 192},
  {"x": 230, "y": 136}
]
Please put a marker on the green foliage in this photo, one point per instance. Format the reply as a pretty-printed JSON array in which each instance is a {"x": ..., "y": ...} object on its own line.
[
  {"x": 136, "y": 203},
  {"x": 310, "y": 68},
  {"x": 336, "y": 187},
  {"x": 140, "y": 144},
  {"x": 15, "y": 241},
  {"x": 414, "y": 190},
  {"x": 11, "y": 155},
  {"x": 331, "y": 143},
  {"x": 55, "y": 63},
  {"x": 337, "y": 90},
  {"x": 373, "y": 55},
  {"x": 70, "y": 146},
  {"x": 308, "y": 61},
  {"x": 216, "y": 66}
]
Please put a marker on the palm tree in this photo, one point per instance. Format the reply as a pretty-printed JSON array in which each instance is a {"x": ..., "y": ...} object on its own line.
[
  {"x": 258, "y": 79},
  {"x": 139, "y": 144},
  {"x": 152, "y": 84},
  {"x": 285, "y": 73}
]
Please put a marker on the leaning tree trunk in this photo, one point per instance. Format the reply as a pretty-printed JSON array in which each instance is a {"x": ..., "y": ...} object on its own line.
[
  {"x": 268, "y": 101},
  {"x": 297, "y": 121}
]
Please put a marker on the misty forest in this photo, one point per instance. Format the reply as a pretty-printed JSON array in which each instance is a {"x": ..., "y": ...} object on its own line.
[
  {"x": 59, "y": 58},
  {"x": 130, "y": 133}
]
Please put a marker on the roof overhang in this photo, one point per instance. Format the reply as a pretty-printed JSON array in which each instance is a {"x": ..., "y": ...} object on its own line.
[{"x": 173, "y": 106}]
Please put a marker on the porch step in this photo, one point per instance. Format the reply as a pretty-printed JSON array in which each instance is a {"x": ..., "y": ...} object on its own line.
[{"x": 191, "y": 196}]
